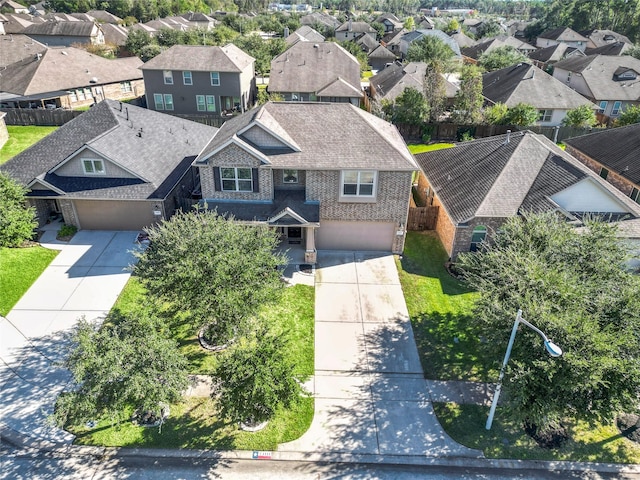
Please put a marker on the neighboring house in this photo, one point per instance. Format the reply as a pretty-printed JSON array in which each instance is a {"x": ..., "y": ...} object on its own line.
[
  {"x": 4, "y": 133},
  {"x": 463, "y": 40},
  {"x": 68, "y": 77},
  {"x": 103, "y": 16},
  {"x": 390, "y": 22},
  {"x": 614, "y": 154},
  {"x": 545, "y": 57},
  {"x": 600, "y": 38},
  {"x": 478, "y": 185},
  {"x": 562, "y": 35},
  {"x": 320, "y": 19},
  {"x": 393, "y": 80},
  {"x": 367, "y": 44},
  {"x": 391, "y": 41},
  {"x": 408, "y": 38},
  {"x": 114, "y": 34},
  {"x": 190, "y": 79},
  {"x": 167, "y": 24},
  {"x": 426, "y": 23},
  {"x": 115, "y": 167},
  {"x": 200, "y": 20},
  {"x": 472, "y": 24},
  {"x": 380, "y": 58},
  {"x": 316, "y": 72},
  {"x": 16, "y": 47},
  {"x": 326, "y": 175},
  {"x": 611, "y": 82},
  {"x": 475, "y": 51},
  {"x": 304, "y": 34},
  {"x": 14, "y": 7},
  {"x": 65, "y": 34},
  {"x": 16, "y": 23},
  {"x": 616, "y": 48},
  {"x": 516, "y": 28},
  {"x": 351, "y": 30},
  {"x": 524, "y": 83}
]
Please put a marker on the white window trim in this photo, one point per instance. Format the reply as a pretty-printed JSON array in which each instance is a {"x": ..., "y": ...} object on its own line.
[
  {"x": 203, "y": 104},
  {"x": 614, "y": 110},
  {"x": 236, "y": 179},
  {"x": 170, "y": 96},
  {"x": 168, "y": 79},
  {"x": 545, "y": 115},
  {"x": 186, "y": 77},
  {"x": 158, "y": 104},
  {"x": 214, "y": 84},
  {"x": 358, "y": 196},
  {"x": 602, "y": 106},
  {"x": 284, "y": 176},
  {"x": 94, "y": 163}
]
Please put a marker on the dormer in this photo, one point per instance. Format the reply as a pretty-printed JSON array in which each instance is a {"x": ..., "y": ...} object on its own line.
[{"x": 624, "y": 73}]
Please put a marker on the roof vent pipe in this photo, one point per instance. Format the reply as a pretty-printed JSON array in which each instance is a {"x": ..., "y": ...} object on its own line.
[{"x": 508, "y": 139}]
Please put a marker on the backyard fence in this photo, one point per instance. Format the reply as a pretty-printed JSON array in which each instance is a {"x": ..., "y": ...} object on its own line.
[
  {"x": 422, "y": 218},
  {"x": 38, "y": 117}
]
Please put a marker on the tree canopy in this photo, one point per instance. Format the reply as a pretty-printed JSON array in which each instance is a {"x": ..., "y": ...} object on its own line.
[
  {"x": 522, "y": 115},
  {"x": 469, "y": 99},
  {"x": 410, "y": 108},
  {"x": 582, "y": 116},
  {"x": 501, "y": 57},
  {"x": 628, "y": 116},
  {"x": 431, "y": 50},
  {"x": 17, "y": 221},
  {"x": 574, "y": 286},
  {"x": 217, "y": 271}
]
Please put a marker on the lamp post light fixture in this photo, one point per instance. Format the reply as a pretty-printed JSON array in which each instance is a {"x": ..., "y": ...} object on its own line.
[{"x": 553, "y": 350}]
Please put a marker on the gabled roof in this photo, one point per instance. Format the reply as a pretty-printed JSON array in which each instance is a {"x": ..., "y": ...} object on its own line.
[
  {"x": 16, "y": 23},
  {"x": 463, "y": 40},
  {"x": 553, "y": 53},
  {"x": 310, "y": 67},
  {"x": 367, "y": 43},
  {"x": 104, "y": 16},
  {"x": 616, "y": 48},
  {"x": 418, "y": 34},
  {"x": 361, "y": 27},
  {"x": 493, "y": 177},
  {"x": 617, "y": 149},
  {"x": 304, "y": 34},
  {"x": 500, "y": 41},
  {"x": 114, "y": 34},
  {"x": 525, "y": 83},
  {"x": 63, "y": 68},
  {"x": 563, "y": 34},
  {"x": 201, "y": 58},
  {"x": 393, "y": 38},
  {"x": 66, "y": 29},
  {"x": 393, "y": 80},
  {"x": 382, "y": 52},
  {"x": 598, "y": 75},
  {"x": 321, "y": 18},
  {"x": 322, "y": 133},
  {"x": 600, "y": 38},
  {"x": 15, "y": 47},
  {"x": 156, "y": 147},
  {"x": 388, "y": 16}
]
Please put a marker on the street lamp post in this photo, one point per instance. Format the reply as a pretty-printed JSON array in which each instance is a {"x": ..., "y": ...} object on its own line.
[{"x": 552, "y": 348}]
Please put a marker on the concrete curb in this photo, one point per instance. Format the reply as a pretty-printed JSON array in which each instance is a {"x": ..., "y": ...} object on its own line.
[{"x": 33, "y": 444}]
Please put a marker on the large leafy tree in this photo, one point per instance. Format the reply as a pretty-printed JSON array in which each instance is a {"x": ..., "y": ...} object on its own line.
[
  {"x": 17, "y": 221},
  {"x": 434, "y": 91},
  {"x": 501, "y": 57},
  {"x": 489, "y": 28},
  {"x": 469, "y": 99},
  {"x": 410, "y": 108},
  {"x": 522, "y": 115},
  {"x": 573, "y": 285},
  {"x": 217, "y": 271},
  {"x": 630, "y": 115},
  {"x": 431, "y": 50},
  {"x": 582, "y": 116},
  {"x": 262, "y": 50},
  {"x": 127, "y": 364}
]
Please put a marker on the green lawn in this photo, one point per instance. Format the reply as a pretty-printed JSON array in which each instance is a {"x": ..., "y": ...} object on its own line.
[
  {"x": 588, "y": 443},
  {"x": 21, "y": 138},
  {"x": 421, "y": 147},
  {"x": 19, "y": 268},
  {"x": 440, "y": 310},
  {"x": 193, "y": 422}
]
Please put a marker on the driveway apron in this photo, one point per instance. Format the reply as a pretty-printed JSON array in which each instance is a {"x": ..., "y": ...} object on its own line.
[
  {"x": 85, "y": 279},
  {"x": 369, "y": 388}
]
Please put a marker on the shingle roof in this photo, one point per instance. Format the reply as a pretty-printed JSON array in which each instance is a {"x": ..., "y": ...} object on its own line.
[
  {"x": 600, "y": 38},
  {"x": 362, "y": 27},
  {"x": 14, "y": 48},
  {"x": 500, "y": 41},
  {"x": 16, "y": 23},
  {"x": 563, "y": 34},
  {"x": 616, "y": 48},
  {"x": 201, "y": 58},
  {"x": 67, "y": 29},
  {"x": 104, "y": 16},
  {"x": 417, "y": 34},
  {"x": 553, "y": 53},
  {"x": 114, "y": 34},
  {"x": 463, "y": 40},
  {"x": 321, "y": 18},
  {"x": 524, "y": 83},
  {"x": 304, "y": 34},
  {"x": 63, "y": 68},
  {"x": 157, "y": 147},
  {"x": 618, "y": 149},
  {"x": 392, "y": 81},
  {"x": 382, "y": 52},
  {"x": 310, "y": 67},
  {"x": 329, "y": 136},
  {"x": 597, "y": 73},
  {"x": 494, "y": 177}
]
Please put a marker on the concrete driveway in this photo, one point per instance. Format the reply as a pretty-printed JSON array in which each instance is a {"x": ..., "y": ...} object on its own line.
[
  {"x": 84, "y": 279},
  {"x": 370, "y": 393}
]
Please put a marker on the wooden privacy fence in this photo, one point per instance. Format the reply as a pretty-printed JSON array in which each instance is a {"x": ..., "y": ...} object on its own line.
[
  {"x": 422, "y": 218},
  {"x": 39, "y": 117}
]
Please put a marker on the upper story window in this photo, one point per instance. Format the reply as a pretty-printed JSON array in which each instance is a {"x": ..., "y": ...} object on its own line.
[
  {"x": 215, "y": 79},
  {"x": 187, "y": 79},
  {"x": 168, "y": 77},
  {"x": 544, "y": 115},
  {"x": 358, "y": 183},
  {"x": 236, "y": 179},
  {"x": 616, "y": 108},
  {"x": 290, "y": 176},
  {"x": 125, "y": 87},
  {"x": 93, "y": 166}
]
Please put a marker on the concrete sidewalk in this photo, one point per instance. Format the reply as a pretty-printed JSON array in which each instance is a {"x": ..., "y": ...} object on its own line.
[
  {"x": 85, "y": 279},
  {"x": 370, "y": 393}
]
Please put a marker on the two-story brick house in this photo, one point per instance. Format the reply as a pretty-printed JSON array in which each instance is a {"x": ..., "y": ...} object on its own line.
[
  {"x": 200, "y": 80},
  {"x": 327, "y": 175}
]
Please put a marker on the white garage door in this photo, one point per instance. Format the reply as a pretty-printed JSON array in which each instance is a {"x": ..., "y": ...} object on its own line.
[
  {"x": 114, "y": 215},
  {"x": 334, "y": 235}
]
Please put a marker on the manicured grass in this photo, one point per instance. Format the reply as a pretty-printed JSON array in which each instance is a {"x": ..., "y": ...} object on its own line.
[
  {"x": 21, "y": 138},
  {"x": 440, "y": 308},
  {"x": 588, "y": 443},
  {"x": 19, "y": 268},
  {"x": 421, "y": 147},
  {"x": 193, "y": 422}
]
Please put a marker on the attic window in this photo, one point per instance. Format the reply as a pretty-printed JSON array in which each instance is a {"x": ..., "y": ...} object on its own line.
[{"x": 93, "y": 166}]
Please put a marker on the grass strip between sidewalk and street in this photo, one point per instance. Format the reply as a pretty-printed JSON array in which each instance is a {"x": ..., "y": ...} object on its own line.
[{"x": 19, "y": 268}]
